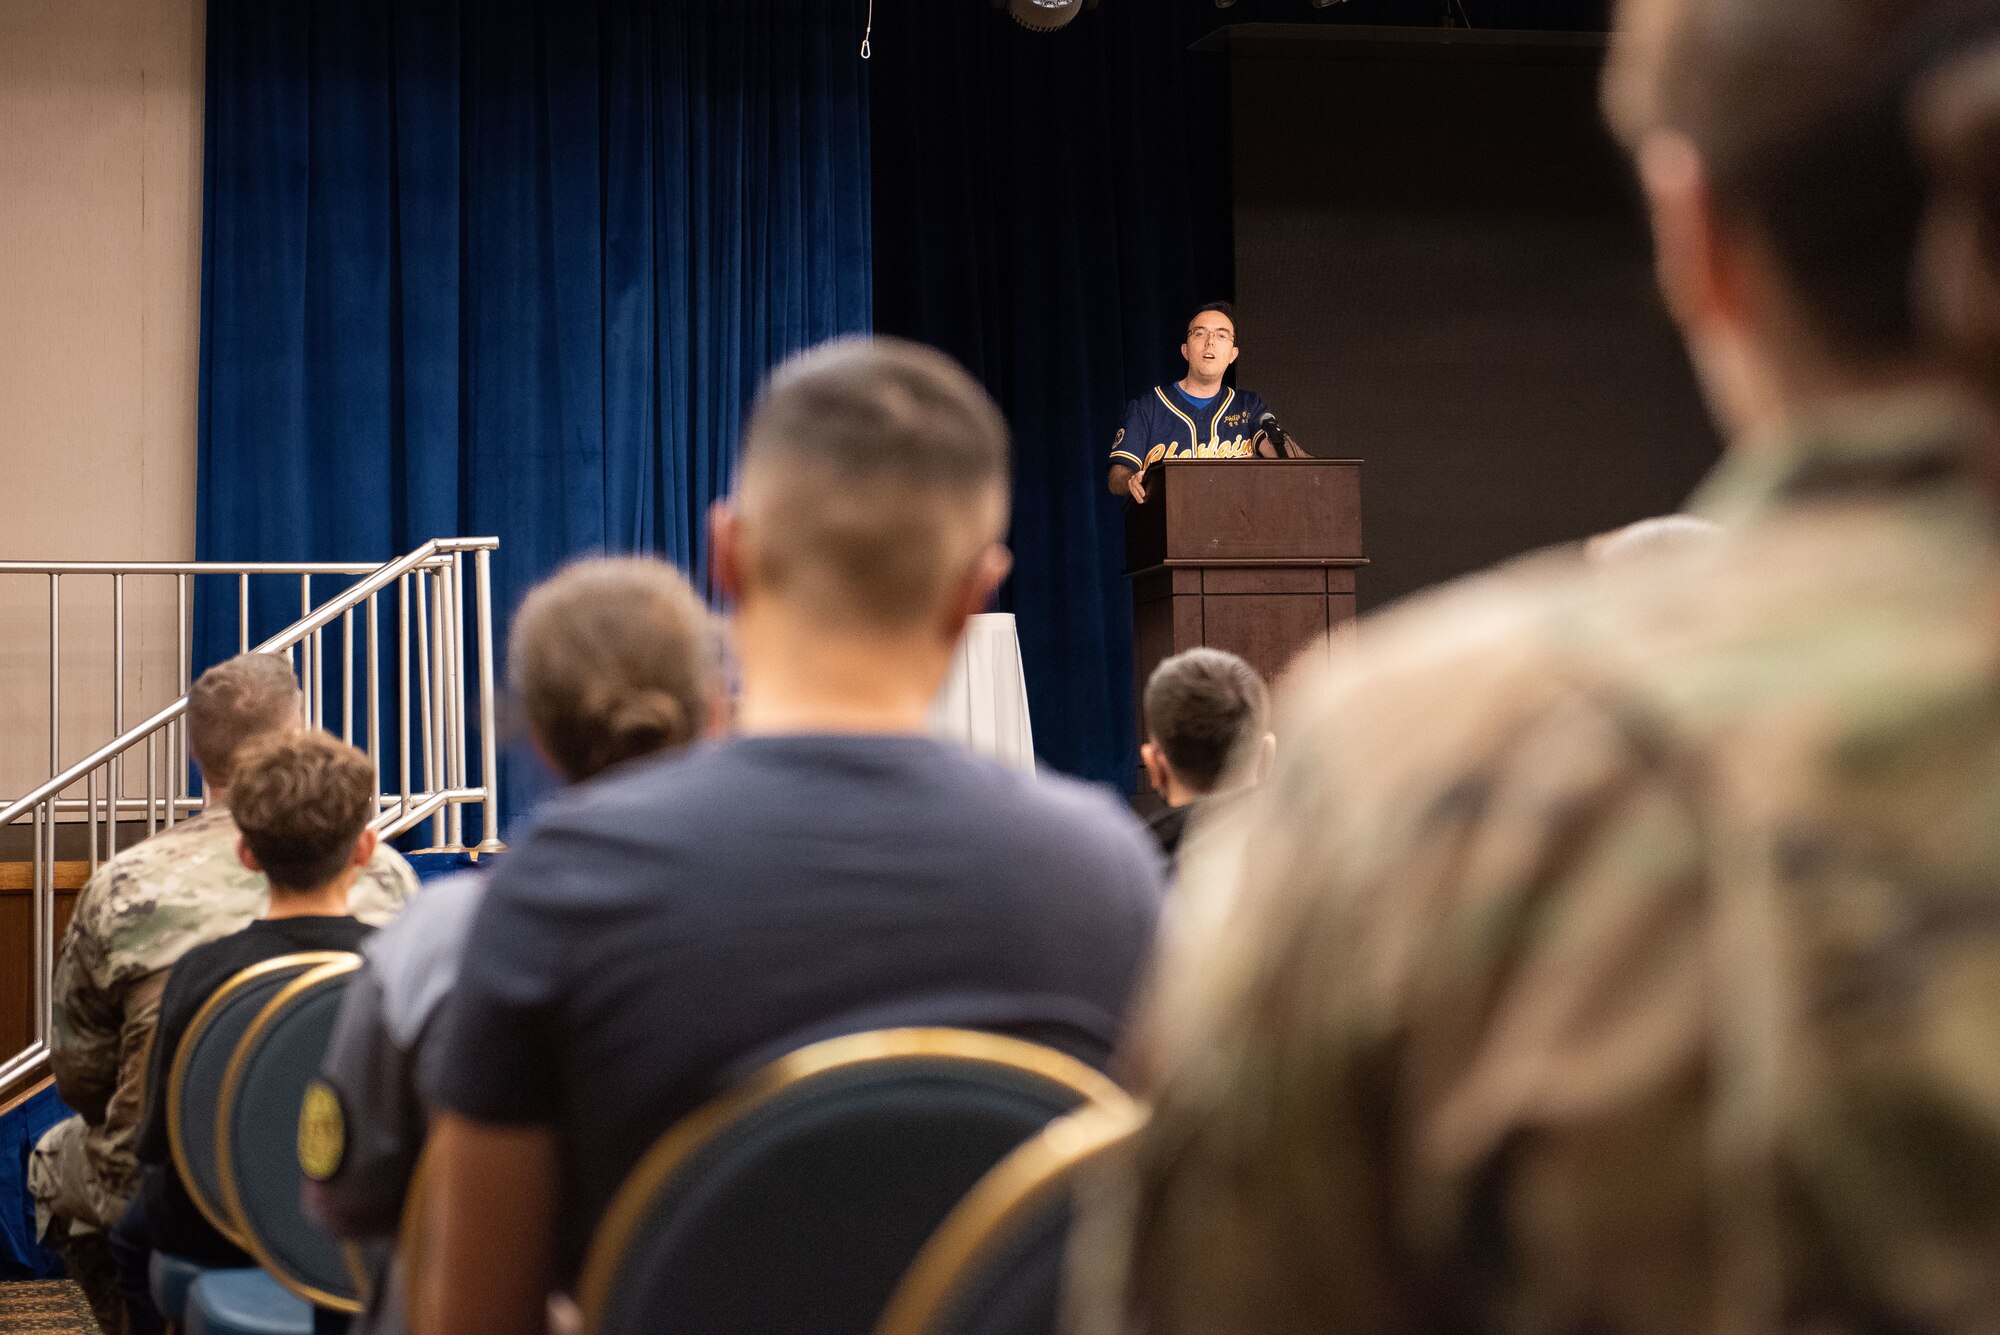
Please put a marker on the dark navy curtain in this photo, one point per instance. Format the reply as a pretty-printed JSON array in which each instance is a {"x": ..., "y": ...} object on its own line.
[
  {"x": 1050, "y": 208},
  {"x": 510, "y": 267}
]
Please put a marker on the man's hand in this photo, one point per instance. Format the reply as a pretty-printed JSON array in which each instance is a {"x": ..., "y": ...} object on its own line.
[{"x": 1135, "y": 487}]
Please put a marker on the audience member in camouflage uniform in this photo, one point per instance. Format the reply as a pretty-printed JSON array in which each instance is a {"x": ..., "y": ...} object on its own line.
[
  {"x": 1619, "y": 950},
  {"x": 140, "y": 913}
]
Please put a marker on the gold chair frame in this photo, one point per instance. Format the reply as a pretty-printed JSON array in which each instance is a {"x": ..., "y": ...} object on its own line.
[
  {"x": 232, "y": 1080},
  {"x": 688, "y": 1137},
  {"x": 217, "y": 1212},
  {"x": 1019, "y": 1186}
]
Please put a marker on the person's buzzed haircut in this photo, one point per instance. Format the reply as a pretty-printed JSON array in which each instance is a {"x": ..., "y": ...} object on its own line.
[
  {"x": 1200, "y": 706},
  {"x": 876, "y": 471},
  {"x": 301, "y": 800},
  {"x": 235, "y": 702}
]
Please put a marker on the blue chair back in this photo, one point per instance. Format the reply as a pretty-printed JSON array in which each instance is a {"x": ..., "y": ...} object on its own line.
[
  {"x": 194, "y": 1082},
  {"x": 257, "y": 1139},
  {"x": 795, "y": 1202},
  {"x": 995, "y": 1266}
]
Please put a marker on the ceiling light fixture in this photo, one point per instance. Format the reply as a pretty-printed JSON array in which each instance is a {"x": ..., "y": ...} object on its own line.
[{"x": 1043, "y": 15}]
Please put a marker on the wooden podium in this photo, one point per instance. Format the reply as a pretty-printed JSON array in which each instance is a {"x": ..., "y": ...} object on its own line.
[{"x": 1256, "y": 556}]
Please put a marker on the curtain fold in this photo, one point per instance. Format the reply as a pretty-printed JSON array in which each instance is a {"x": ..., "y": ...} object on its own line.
[
  {"x": 510, "y": 267},
  {"x": 1049, "y": 208}
]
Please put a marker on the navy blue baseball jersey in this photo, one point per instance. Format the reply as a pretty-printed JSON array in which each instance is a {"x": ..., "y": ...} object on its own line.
[{"x": 1166, "y": 424}]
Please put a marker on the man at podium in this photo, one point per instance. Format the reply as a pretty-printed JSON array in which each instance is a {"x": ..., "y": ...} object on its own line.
[{"x": 1197, "y": 417}]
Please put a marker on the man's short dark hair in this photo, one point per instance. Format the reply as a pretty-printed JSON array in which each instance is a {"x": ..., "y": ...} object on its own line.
[
  {"x": 301, "y": 801},
  {"x": 879, "y": 470},
  {"x": 234, "y": 703},
  {"x": 1200, "y": 706},
  {"x": 1221, "y": 308}
]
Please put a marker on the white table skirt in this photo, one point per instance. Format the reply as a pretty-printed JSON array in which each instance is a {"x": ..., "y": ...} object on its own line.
[{"x": 984, "y": 702}]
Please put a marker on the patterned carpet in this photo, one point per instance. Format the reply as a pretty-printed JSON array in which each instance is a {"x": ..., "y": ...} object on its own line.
[{"x": 45, "y": 1307}]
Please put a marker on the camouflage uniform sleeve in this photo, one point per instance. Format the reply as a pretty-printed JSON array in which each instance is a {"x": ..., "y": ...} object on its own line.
[
  {"x": 386, "y": 884},
  {"x": 1461, "y": 882},
  {"x": 87, "y": 1013}
]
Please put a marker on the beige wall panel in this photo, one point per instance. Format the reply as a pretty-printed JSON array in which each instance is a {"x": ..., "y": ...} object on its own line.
[{"x": 100, "y": 258}]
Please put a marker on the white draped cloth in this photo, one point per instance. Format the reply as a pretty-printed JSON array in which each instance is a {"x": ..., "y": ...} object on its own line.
[{"x": 984, "y": 703}]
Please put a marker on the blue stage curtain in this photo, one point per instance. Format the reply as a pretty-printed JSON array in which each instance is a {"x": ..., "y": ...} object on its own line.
[
  {"x": 510, "y": 267},
  {"x": 1050, "y": 208}
]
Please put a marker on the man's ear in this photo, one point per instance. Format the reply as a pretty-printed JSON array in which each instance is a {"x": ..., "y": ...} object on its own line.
[
  {"x": 725, "y": 548},
  {"x": 364, "y": 848},
  {"x": 1234, "y": 353},
  {"x": 976, "y": 587},
  {"x": 245, "y": 856},
  {"x": 1699, "y": 276},
  {"x": 1186, "y": 356},
  {"x": 1157, "y": 770}
]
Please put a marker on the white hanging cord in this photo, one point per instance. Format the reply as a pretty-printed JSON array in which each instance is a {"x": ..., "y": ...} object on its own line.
[{"x": 869, "y": 31}]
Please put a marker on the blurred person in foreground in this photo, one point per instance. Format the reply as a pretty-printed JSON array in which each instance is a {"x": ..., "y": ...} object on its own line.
[
  {"x": 302, "y": 802},
  {"x": 1632, "y": 963},
  {"x": 830, "y": 868},
  {"x": 611, "y": 660},
  {"x": 141, "y": 912},
  {"x": 1205, "y": 713}
]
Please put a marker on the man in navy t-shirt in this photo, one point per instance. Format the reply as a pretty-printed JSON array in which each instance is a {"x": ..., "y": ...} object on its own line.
[
  {"x": 667, "y": 928},
  {"x": 1197, "y": 417}
]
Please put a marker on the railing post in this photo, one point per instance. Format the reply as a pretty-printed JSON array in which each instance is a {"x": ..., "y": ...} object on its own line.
[
  {"x": 177, "y": 750},
  {"x": 440, "y": 721},
  {"x": 421, "y": 580},
  {"x": 347, "y": 676},
  {"x": 308, "y": 669},
  {"x": 455, "y": 700},
  {"x": 374, "y": 689},
  {"x": 489, "y": 745},
  {"x": 41, "y": 912},
  {"x": 403, "y": 595},
  {"x": 90, "y": 814},
  {"x": 55, "y": 676},
  {"x": 115, "y": 775}
]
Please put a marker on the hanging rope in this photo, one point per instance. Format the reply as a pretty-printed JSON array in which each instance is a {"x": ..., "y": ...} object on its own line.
[{"x": 869, "y": 31}]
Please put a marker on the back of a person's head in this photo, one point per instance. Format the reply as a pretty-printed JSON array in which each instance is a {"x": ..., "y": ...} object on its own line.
[
  {"x": 301, "y": 801},
  {"x": 610, "y": 659},
  {"x": 1200, "y": 707},
  {"x": 1800, "y": 113},
  {"x": 874, "y": 475},
  {"x": 235, "y": 703}
]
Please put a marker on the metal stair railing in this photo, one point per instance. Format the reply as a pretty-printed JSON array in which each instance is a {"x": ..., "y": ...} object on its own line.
[{"x": 433, "y": 700}]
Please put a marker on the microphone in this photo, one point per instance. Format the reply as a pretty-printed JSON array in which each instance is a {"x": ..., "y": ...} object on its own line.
[{"x": 1268, "y": 424}]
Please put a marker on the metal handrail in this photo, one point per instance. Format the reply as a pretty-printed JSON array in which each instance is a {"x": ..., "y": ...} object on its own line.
[
  {"x": 288, "y": 638},
  {"x": 188, "y": 567},
  {"x": 431, "y": 680}
]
